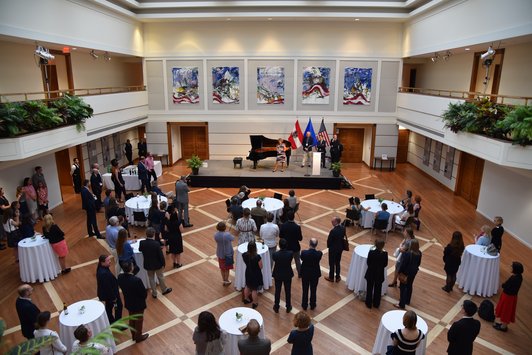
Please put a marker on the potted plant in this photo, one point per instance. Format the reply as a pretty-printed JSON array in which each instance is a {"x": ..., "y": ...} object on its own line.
[
  {"x": 336, "y": 168},
  {"x": 11, "y": 117},
  {"x": 194, "y": 163},
  {"x": 518, "y": 124},
  {"x": 460, "y": 116},
  {"x": 73, "y": 110}
]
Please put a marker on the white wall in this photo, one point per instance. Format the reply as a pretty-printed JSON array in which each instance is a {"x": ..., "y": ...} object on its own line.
[
  {"x": 18, "y": 69},
  {"x": 506, "y": 192},
  {"x": 516, "y": 75},
  {"x": 454, "y": 74},
  {"x": 463, "y": 23}
]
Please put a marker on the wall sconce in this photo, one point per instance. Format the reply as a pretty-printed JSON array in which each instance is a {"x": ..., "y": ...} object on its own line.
[
  {"x": 93, "y": 55},
  {"x": 107, "y": 57}
]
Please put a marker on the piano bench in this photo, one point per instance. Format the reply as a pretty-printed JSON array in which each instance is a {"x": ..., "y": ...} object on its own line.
[{"x": 237, "y": 161}]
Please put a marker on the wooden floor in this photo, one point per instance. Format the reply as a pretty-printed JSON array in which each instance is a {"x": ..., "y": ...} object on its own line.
[{"x": 343, "y": 324}]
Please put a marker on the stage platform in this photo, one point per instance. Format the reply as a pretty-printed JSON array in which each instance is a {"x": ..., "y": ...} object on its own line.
[{"x": 222, "y": 173}]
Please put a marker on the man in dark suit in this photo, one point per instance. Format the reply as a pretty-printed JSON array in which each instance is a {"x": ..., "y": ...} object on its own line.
[
  {"x": 310, "y": 273},
  {"x": 96, "y": 185},
  {"x": 135, "y": 299},
  {"x": 336, "y": 149},
  {"x": 143, "y": 175},
  {"x": 128, "y": 149},
  {"x": 335, "y": 243},
  {"x": 377, "y": 262},
  {"x": 308, "y": 143},
  {"x": 26, "y": 310},
  {"x": 181, "y": 200},
  {"x": 88, "y": 203},
  {"x": 464, "y": 331},
  {"x": 143, "y": 147},
  {"x": 322, "y": 145},
  {"x": 282, "y": 273},
  {"x": 107, "y": 289},
  {"x": 154, "y": 262},
  {"x": 291, "y": 231},
  {"x": 253, "y": 345}
]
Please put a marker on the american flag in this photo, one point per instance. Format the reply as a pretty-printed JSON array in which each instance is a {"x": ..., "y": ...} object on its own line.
[{"x": 322, "y": 134}]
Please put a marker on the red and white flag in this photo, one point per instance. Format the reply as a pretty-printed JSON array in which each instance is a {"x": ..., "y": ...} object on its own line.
[
  {"x": 322, "y": 134},
  {"x": 296, "y": 137}
]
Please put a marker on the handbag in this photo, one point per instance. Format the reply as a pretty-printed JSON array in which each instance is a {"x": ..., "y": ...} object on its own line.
[
  {"x": 403, "y": 278},
  {"x": 492, "y": 250},
  {"x": 397, "y": 252},
  {"x": 346, "y": 243}
]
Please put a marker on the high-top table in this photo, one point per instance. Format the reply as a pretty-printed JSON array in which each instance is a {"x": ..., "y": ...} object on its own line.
[
  {"x": 357, "y": 270},
  {"x": 479, "y": 272},
  {"x": 375, "y": 206},
  {"x": 37, "y": 260},
  {"x": 240, "y": 272},
  {"x": 392, "y": 321},
  {"x": 140, "y": 204},
  {"x": 91, "y": 313},
  {"x": 229, "y": 323}
]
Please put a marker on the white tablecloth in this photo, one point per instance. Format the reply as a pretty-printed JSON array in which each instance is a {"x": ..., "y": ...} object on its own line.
[
  {"x": 130, "y": 175},
  {"x": 357, "y": 269},
  {"x": 240, "y": 272},
  {"x": 375, "y": 206},
  {"x": 37, "y": 260},
  {"x": 479, "y": 272},
  {"x": 94, "y": 317},
  {"x": 270, "y": 204},
  {"x": 139, "y": 259},
  {"x": 230, "y": 325},
  {"x": 390, "y": 322},
  {"x": 139, "y": 204}
]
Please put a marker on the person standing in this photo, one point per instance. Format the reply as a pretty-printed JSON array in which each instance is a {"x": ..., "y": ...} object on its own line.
[
  {"x": 27, "y": 311},
  {"x": 75, "y": 172},
  {"x": 128, "y": 150},
  {"x": 97, "y": 185},
  {"x": 377, "y": 262},
  {"x": 38, "y": 176},
  {"x": 246, "y": 227},
  {"x": 118, "y": 180},
  {"x": 283, "y": 274},
  {"x": 507, "y": 305},
  {"x": 107, "y": 289},
  {"x": 291, "y": 231},
  {"x": 308, "y": 143},
  {"x": 31, "y": 198},
  {"x": 143, "y": 175},
  {"x": 497, "y": 232},
  {"x": 4, "y": 205},
  {"x": 154, "y": 262},
  {"x": 142, "y": 147},
  {"x": 150, "y": 164},
  {"x": 301, "y": 337},
  {"x": 253, "y": 345},
  {"x": 409, "y": 267},
  {"x": 322, "y": 145},
  {"x": 224, "y": 251},
  {"x": 253, "y": 274},
  {"x": 336, "y": 149},
  {"x": 269, "y": 233},
  {"x": 111, "y": 236},
  {"x": 452, "y": 257},
  {"x": 207, "y": 336},
  {"x": 463, "y": 332},
  {"x": 56, "y": 236},
  {"x": 56, "y": 347},
  {"x": 88, "y": 203},
  {"x": 310, "y": 273},
  {"x": 174, "y": 237},
  {"x": 335, "y": 243},
  {"x": 135, "y": 300},
  {"x": 181, "y": 200}
]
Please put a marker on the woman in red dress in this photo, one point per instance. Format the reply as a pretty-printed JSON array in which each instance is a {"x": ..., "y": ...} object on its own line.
[{"x": 505, "y": 310}]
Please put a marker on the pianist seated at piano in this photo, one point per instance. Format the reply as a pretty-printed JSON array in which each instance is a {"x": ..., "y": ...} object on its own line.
[
  {"x": 281, "y": 155},
  {"x": 262, "y": 148}
]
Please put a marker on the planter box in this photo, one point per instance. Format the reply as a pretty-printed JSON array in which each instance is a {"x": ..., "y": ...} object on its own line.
[{"x": 36, "y": 143}]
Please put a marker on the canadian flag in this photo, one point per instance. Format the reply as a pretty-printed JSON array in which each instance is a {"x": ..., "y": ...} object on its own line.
[{"x": 296, "y": 137}]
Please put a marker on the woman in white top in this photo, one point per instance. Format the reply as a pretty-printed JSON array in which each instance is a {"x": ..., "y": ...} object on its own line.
[
  {"x": 11, "y": 223},
  {"x": 401, "y": 219},
  {"x": 246, "y": 228},
  {"x": 83, "y": 334},
  {"x": 57, "y": 347}
]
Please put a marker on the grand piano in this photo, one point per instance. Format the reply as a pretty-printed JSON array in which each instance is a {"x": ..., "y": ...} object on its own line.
[{"x": 262, "y": 148}]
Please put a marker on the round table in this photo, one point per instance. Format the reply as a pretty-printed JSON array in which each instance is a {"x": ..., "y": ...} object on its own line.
[
  {"x": 139, "y": 259},
  {"x": 479, "y": 272},
  {"x": 140, "y": 204},
  {"x": 131, "y": 182},
  {"x": 357, "y": 270},
  {"x": 392, "y": 321},
  {"x": 270, "y": 204},
  {"x": 93, "y": 316},
  {"x": 240, "y": 272},
  {"x": 230, "y": 325},
  {"x": 37, "y": 260},
  {"x": 374, "y": 206}
]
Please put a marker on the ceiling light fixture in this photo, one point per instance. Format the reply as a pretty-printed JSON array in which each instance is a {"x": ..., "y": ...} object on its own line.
[
  {"x": 93, "y": 55},
  {"x": 107, "y": 57},
  {"x": 468, "y": 49},
  {"x": 446, "y": 56},
  {"x": 435, "y": 58},
  {"x": 357, "y": 19}
]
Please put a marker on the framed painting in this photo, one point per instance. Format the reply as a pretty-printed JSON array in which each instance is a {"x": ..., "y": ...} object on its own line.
[
  {"x": 316, "y": 85},
  {"x": 270, "y": 85},
  {"x": 225, "y": 85},
  {"x": 357, "y": 86},
  {"x": 185, "y": 89}
]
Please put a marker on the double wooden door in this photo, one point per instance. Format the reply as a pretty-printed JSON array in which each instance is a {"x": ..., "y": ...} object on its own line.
[
  {"x": 353, "y": 141},
  {"x": 194, "y": 142}
]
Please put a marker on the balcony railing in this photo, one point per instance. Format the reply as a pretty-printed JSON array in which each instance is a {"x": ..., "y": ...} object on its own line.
[
  {"x": 500, "y": 99},
  {"x": 51, "y": 95}
]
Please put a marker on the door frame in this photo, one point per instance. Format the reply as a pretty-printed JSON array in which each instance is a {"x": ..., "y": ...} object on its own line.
[
  {"x": 169, "y": 126},
  {"x": 337, "y": 126}
]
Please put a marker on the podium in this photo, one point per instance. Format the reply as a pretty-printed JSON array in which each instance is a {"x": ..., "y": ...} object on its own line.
[{"x": 316, "y": 163}]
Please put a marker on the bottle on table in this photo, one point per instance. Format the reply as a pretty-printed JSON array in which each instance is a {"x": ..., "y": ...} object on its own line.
[{"x": 65, "y": 308}]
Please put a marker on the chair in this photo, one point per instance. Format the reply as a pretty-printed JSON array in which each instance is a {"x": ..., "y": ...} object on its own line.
[
  {"x": 369, "y": 197},
  {"x": 382, "y": 225},
  {"x": 140, "y": 217},
  {"x": 353, "y": 215},
  {"x": 402, "y": 225},
  {"x": 278, "y": 196},
  {"x": 296, "y": 208}
]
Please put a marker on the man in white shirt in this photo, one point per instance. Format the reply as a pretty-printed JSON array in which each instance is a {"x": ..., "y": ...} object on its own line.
[{"x": 269, "y": 232}]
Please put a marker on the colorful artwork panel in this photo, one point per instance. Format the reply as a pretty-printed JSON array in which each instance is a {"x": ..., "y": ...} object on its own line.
[
  {"x": 225, "y": 85},
  {"x": 270, "y": 85},
  {"x": 185, "y": 85},
  {"x": 357, "y": 86},
  {"x": 316, "y": 85}
]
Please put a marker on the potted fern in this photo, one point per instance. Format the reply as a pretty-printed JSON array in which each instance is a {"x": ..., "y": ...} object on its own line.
[
  {"x": 336, "y": 168},
  {"x": 194, "y": 163},
  {"x": 518, "y": 124}
]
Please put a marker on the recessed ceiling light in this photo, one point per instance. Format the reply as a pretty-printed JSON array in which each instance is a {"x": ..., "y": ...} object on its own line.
[
  {"x": 228, "y": 19},
  {"x": 468, "y": 49},
  {"x": 269, "y": 19},
  {"x": 357, "y": 19}
]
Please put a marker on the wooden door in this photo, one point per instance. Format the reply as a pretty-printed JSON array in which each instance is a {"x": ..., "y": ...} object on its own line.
[
  {"x": 353, "y": 142},
  {"x": 402, "y": 146},
  {"x": 194, "y": 142},
  {"x": 469, "y": 177}
]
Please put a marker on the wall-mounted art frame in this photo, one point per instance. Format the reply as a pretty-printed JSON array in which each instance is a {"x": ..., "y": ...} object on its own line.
[
  {"x": 185, "y": 84},
  {"x": 353, "y": 77},
  {"x": 270, "y": 70},
  {"x": 316, "y": 80},
  {"x": 225, "y": 93}
]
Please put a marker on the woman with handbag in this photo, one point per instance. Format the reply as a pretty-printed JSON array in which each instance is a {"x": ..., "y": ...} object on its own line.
[
  {"x": 224, "y": 251},
  {"x": 408, "y": 234},
  {"x": 11, "y": 222},
  {"x": 407, "y": 273},
  {"x": 452, "y": 257},
  {"x": 55, "y": 235}
]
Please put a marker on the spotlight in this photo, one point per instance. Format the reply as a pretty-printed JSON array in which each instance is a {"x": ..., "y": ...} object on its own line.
[
  {"x": 435, "y": 58},
  {"x": 447, "y": 55},
  {"x": 487, "y": 58},
  {"x": 43, "y": 53},
  {"x": 107, "y": 57},
  {"x": 93, "y": 55}
]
